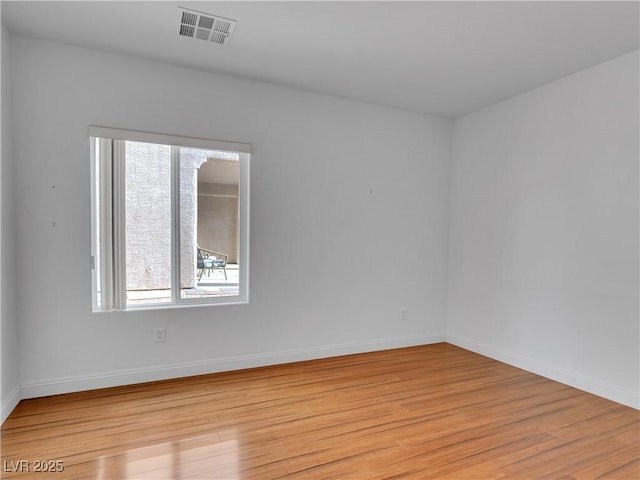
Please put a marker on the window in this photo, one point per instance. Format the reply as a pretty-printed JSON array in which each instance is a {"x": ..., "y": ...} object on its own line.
[{"x": 170, "y": 220}]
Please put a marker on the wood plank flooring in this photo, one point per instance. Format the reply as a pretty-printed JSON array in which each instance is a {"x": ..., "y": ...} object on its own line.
[{"x": 429, "y": 412}]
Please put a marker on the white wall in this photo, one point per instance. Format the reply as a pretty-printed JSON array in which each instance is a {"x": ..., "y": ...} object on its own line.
[
  {"x": 324, "y": 279},
  {"x": 9, "y": 385},
  {"x": 543, "y": 268}
]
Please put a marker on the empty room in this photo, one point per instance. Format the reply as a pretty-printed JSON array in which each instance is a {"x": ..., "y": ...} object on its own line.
[{"x": 356, "y": 240}]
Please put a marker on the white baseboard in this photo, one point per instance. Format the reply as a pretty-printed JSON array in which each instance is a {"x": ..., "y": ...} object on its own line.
[
  {"x": 9, "y": 403},
  {"x": 165, "y": 372},
  {"x": 610, "y": 392}
]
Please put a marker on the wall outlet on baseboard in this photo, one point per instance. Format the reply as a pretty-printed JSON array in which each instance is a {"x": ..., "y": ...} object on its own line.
[{"x": 160, "y": 335}]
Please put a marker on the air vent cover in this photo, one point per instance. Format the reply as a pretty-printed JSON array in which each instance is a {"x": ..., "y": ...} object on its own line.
[{"x": 203, "y": 26}]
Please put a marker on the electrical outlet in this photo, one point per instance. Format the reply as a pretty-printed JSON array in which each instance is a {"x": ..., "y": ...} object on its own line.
[
  {"x": 404, "y": 314},
  {"x": 160, "y": 335}
]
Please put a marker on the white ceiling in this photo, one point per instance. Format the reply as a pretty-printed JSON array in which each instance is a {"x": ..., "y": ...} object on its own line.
[{"x": 446, "y": 58}]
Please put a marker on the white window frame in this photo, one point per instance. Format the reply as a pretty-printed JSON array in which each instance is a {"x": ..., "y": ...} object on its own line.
[{"x": 110, "y": 233}]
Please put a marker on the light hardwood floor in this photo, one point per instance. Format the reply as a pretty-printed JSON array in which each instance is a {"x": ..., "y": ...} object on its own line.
[{"x": 430, "y": 412}]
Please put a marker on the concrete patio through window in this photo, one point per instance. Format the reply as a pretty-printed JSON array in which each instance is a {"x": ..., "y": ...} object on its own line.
[{"x": 212, "y": 284}]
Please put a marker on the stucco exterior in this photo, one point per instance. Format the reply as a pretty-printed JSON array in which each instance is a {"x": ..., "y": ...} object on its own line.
[{"x": 148, "y": 215}]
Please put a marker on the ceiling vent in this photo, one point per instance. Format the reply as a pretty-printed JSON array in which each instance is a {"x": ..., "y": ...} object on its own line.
[{"x": 203, "y": 26}]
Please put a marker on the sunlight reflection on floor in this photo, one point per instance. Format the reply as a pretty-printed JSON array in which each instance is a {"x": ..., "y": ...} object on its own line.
[{"x": 199, "y": 457}]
